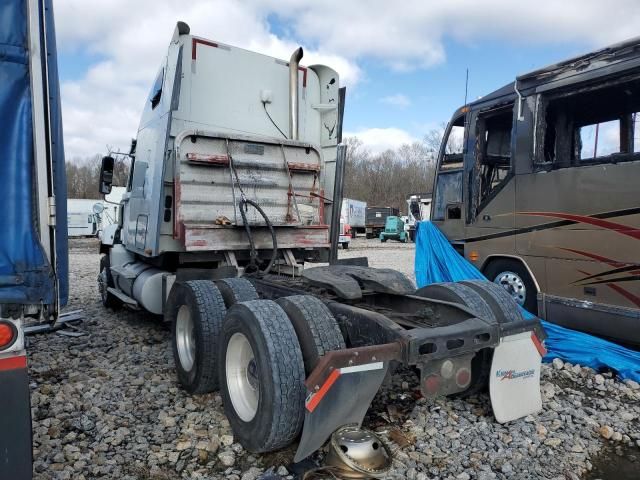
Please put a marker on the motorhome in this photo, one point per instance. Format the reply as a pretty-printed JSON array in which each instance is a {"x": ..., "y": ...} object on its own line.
[{"x": 542, "y": 192}]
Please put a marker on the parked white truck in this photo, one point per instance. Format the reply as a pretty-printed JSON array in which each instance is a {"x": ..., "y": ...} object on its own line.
[
  {"x": 419, "y": 209},
  {"x": 83, "y": 216},
  {"x": 236, "y": 184}
]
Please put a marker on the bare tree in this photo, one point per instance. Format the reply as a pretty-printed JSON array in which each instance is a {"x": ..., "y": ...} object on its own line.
[
  {"x": 83, "y": 175},
  {"x": 387, "y": 178}
]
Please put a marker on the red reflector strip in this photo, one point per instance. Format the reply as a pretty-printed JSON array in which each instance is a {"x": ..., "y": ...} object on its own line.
[
  {"x": 13, "y": 363},
  {"x": 208, "y": 159},
  {"x": 536, "y": 341},
  {"x": 195, "y": 41},
  {"x": 315, "y": 398},
  {"x": 304, "y": 76}
]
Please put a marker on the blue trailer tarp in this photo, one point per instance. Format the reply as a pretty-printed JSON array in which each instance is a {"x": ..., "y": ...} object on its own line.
[
  {"x": 437, "y": 261},
  {"x": 26, "y": 277}
]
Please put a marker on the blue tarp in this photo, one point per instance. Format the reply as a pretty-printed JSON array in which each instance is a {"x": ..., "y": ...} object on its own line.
[
  {"x": 437, "y": 261},
  {"x": 25, "y": 273}
]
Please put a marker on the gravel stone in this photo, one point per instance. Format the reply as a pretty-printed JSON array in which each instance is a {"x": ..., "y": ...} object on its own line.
[{"x": 107, "y": 405}]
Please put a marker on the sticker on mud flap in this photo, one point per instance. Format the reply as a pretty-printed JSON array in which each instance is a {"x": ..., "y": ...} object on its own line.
[{"x": 515, "y": 374}]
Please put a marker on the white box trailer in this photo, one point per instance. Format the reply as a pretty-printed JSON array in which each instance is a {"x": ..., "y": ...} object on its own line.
[{"x": 354, "y": 213}]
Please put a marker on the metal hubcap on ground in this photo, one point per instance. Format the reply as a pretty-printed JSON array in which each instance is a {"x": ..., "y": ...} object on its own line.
[
  {"x": 513, "y": 284},
  {"x": 242, "y": 377},
  {"x": 185, "y": 338}
]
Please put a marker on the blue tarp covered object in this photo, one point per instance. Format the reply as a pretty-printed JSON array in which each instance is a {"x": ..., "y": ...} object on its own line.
[
  {"x": 26, "y": 276},
  {"x": 437, "y": 261}
]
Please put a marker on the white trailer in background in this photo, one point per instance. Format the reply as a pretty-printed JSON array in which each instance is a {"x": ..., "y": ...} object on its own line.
[
  {"x": 81, "y": 218},
  {"x": 354, "y": 213}
]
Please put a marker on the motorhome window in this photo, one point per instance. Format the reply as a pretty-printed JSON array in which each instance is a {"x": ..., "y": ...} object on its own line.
[
  {"x": 453, "y": 149},
  {"x": 448, "y": 192},
  {"x": 493, "y": 150},
  {"x": 595, "y": 125},
  {"x": 156, "y": 92}
]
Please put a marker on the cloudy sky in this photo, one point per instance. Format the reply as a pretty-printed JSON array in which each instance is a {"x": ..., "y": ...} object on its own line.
[{"x": 403, "y": 62}]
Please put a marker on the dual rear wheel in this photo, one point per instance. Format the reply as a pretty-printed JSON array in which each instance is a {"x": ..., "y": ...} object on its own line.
[{"x": 256, "y": 352}]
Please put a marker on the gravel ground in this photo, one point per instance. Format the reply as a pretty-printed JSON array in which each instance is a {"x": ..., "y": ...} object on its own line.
[{"x": 107, "y": 405}]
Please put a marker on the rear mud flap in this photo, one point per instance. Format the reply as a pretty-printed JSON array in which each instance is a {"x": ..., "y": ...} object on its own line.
[
  {"x": 343, "y": 398},
  {"x": 514, "y": 385}
]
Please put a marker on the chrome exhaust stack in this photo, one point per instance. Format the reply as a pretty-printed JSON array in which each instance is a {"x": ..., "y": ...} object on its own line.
[{"x": 294, "y": 63}]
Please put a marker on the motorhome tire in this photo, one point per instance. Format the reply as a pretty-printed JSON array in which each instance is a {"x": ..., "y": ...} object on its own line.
[
  {"x": 196, "y": 311},
  {"x": 316, "y": 328},
  {"x": 262, "y": 376},
  {"x": 458, "y": 292},
  {"x": 514, "y": 277},
  {"x": 236, "y": 290},
  {"x": 105, "y": 280}
]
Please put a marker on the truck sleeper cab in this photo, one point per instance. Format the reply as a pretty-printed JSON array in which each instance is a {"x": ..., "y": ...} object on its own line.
[
  {"x": 222, "y": 213},
  {"x": 537, "y": 186}
]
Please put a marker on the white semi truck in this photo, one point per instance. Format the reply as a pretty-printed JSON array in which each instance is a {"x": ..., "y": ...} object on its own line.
[{"x": 236, "y": 184}]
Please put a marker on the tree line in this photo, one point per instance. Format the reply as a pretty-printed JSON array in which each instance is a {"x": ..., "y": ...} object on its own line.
[
  {"x": 385, "y": 179},
  {"x": 83, "y": 175},
  {"x": 380, "y": 179}
]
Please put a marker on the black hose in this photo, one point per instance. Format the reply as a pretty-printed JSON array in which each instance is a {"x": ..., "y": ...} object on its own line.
[
  {"x": 254, "y": 254},
  {"x": 242, "y": 204}
]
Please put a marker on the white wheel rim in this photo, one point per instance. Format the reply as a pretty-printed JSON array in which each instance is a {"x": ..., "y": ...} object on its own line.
[
  {"x": 242, "y": 377},
  {"x": 513, "y": 284},
  {"x": 185, "y": 338}
]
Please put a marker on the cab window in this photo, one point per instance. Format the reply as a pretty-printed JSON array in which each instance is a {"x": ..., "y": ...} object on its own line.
[
  {"x": 453, "y": 150},
  {"x": 448, "y": 194},
  {"x": 156, "y": 91}
]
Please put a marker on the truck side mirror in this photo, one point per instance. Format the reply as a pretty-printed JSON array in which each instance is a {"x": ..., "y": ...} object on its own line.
[{"x": 106, "y": 174}]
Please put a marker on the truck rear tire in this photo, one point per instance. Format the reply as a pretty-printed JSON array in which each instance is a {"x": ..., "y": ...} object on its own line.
[
  {"x": 316, "y": 328},
  {"x": 235, "y": 290},
  {"x": 514, "y": 278},
  {"x": 345, "y": 245},
  {"x": 105, "y": 280},
  {"x": 458, "y": 292},
  {"x": 502, "y": 303},
  {"x": 262, "y": 376},
  {"x": 196, "y": 311}
]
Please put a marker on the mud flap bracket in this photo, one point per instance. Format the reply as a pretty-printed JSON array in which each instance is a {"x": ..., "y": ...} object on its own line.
[{"x": 340, "y": 390}]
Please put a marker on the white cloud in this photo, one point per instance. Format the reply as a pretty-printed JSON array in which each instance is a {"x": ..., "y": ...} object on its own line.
[
  {"x": 129, "y": 39},
  {"x": 411, "y": 36},
  {"x": 398, "y": 100},
  {"x": 103, "y": 107},
  {"x": 378, "y": 140}
]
